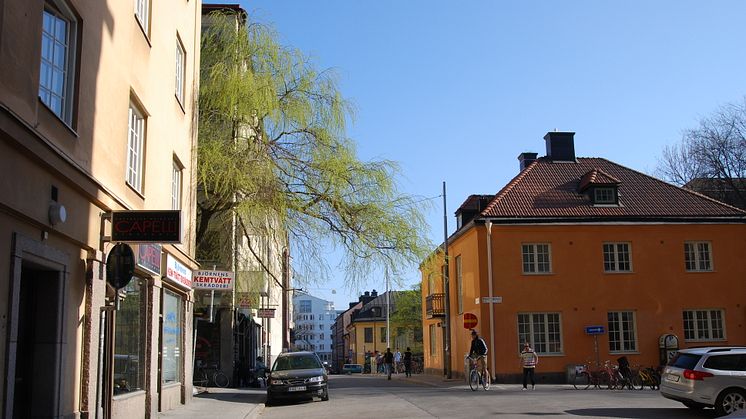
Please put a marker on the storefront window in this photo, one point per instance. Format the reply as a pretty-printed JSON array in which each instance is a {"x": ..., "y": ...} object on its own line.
[
  {"x": 172, "y": 350},
  {"x": 129, "y": 339}
]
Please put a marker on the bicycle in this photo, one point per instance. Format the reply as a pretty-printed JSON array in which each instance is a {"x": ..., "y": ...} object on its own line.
[
  {"x": 585, "y": 377},
  {"x": 477, "y": 378},
  {"x": 205, "y": 374},
  {"x": 649, "y": 377}
]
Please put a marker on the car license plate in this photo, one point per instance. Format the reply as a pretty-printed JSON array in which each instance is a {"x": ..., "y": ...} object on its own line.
[
  {"x": 297, "y": 388},
  {"x": 672, "y": 377}
]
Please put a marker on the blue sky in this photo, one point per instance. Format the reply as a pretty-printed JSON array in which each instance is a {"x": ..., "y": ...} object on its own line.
[{"x": 454, "y": 91}]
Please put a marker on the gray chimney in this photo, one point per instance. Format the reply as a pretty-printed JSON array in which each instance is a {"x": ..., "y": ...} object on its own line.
[
  {"x": 560, "y": 146},
  {"x": 525, "y": 159}
]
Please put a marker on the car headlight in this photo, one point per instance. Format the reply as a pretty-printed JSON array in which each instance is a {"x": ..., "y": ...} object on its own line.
[
  {"x": 319, "y": 379},
  {"x": 276, "y": 382}
]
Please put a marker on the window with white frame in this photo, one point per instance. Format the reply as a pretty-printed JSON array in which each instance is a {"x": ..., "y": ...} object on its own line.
[
  {"x": 433, "y": 340},
  {"x": 622, "y": 331},
  {"x": 616, "y": 257},
  {"x": 304, "y": 306},
  {"x": 58, "y": 47},
  {"x": 176, "y": 182},
  {"x": 142, "y": 13},
  {"x": 604, "y": 195},
  {"x": 135, "y": 148},
  {"x": 704, "y": 325},
  {"x": 460, "y": 284},
  {"x": 542, "y": 330},
  {"x": 698, "y": 256},
  {"x": 536, "y": 258},
  {"x": 180, "y": 71}
]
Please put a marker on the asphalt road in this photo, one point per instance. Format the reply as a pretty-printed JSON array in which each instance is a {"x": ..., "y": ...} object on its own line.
[{"x": 362, "y": 397}]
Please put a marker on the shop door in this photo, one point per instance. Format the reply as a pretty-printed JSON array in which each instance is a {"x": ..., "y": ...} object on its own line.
[{"x": 38, "y": 354}]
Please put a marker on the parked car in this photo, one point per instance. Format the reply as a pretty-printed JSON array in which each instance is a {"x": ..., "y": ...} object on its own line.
[
  {"x": 352, "y": 369},
  {"x": 296, "y": 375},
  {"x": 707, "y": 377}
]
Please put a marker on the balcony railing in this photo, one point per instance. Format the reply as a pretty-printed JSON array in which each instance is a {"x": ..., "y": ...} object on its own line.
[{"x": 435, "y": 305}]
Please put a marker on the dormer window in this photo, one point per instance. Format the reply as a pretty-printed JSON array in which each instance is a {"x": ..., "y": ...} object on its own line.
[
  {"x": 604, "y": 195},
  {"x": 600, "y": 187}
]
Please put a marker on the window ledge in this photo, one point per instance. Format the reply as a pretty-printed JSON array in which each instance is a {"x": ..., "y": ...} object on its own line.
[
  {"x": 624, "y": 352},
  {"x": 704, "y": 340},
  {"x": 701, "y": 272},
  {"x": 538, "y": 273},
  {"x": 62, "y": 121},
  {"x": 144, "y": 32},
  {"x": 129, "y": 395},
  {"x": 181, "y": 105},
  {"x": 550, "y": 355},
  {"x": 618, "y": 272}
]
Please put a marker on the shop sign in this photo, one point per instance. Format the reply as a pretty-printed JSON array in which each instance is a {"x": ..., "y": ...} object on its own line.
[
  {"x": 243, "y": 300},
  {"x": 149, "y": 257},
  {"x": 213, "y": 280},
  {"x": 146, "y": 226},
  {"x": 266, "y": 313},
  {"x": 178, "y": 273}
]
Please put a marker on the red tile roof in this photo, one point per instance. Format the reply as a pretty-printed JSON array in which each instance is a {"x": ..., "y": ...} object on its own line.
[
  {"x": 547, "y": 189},
  {"x": 597, "y": 177}
]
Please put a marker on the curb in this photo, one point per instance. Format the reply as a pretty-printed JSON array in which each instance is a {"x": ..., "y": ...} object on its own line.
[{"x": 255, "y": 412}]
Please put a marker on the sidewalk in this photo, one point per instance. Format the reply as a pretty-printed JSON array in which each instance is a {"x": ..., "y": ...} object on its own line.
[{"x": 231, "y": 403}]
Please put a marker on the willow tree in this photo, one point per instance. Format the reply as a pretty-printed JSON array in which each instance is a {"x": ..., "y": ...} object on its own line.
[{"x": 273, "y": 146}]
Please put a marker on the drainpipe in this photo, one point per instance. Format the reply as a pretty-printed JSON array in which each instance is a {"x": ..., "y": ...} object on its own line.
[{"x": 488, "y": 224}]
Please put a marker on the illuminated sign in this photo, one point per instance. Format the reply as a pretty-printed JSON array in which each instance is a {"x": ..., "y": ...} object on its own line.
[{"x": 146, "y": 226}]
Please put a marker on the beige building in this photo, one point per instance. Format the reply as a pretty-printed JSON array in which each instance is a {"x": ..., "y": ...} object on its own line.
[{"x": 97, "y": 114}]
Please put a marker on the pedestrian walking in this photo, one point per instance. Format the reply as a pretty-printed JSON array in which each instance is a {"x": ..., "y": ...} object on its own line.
[
  {"x": 388, "y": 360},
  {"x": 397, "y": 361},
  {"x": 529, "y": 359},
  {"x": 408, "y": 362},
  {"x": 374, "y": 363}
]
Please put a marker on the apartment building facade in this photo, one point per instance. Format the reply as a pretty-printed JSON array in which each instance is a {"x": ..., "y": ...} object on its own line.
[
  {"x": 313, "y": 318},
  {"x": 587, "y": 260},
  {"x": 97, "y": 115}
]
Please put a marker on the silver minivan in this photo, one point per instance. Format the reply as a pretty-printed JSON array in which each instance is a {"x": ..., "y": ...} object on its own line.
[{"x": 707, "y": 377}]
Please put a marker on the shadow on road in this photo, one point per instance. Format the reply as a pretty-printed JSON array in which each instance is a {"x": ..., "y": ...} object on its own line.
[
  {"x": 254, "y": 397},
  {"x": 641, "y": 413}
]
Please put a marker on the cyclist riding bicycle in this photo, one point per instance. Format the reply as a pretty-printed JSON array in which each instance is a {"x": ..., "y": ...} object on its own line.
[{"x": 478, "y": 350}]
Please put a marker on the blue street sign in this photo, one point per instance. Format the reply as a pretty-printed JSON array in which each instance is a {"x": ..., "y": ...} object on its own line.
[{"x": 594, "y": 330}]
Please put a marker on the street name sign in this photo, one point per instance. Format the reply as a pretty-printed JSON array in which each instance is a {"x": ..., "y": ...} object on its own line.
[
  {"x": 594, "y": 330},
  {"x": 494, "y": 300}
]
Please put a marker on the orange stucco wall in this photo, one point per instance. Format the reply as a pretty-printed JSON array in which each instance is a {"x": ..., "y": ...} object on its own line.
[{"x": 657, "y": 290}]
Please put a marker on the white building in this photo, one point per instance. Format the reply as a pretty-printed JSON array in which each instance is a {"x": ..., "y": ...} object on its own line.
[{"x": 313, "y": 318}]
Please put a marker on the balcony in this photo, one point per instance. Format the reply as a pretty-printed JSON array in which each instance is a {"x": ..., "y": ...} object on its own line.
[{"x": 435, "y": 305}]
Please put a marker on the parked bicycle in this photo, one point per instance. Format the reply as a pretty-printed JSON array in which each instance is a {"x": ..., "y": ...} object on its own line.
[
  {"x": 649, "y": 377},
  {"x": 204, "y": 375},
  {"x": 585, "y": 377},
  {"x": 477, "y": 377}
]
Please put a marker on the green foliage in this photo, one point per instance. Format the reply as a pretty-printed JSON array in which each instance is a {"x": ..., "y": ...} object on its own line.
[
  {"x": 408, "y": 313},
  {"x": 273, "y": 146}
]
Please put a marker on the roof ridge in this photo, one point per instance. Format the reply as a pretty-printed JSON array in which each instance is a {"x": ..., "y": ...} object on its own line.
[
  {"x": 504, "y": 191},
  {"x": 671, "y": 185}
]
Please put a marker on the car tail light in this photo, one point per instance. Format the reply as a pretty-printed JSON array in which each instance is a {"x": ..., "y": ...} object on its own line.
[{"x": 696, "y": 375}]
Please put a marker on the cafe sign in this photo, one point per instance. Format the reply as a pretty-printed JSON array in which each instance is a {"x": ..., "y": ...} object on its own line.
[
  {"x": 146, "y": 226},
  {"x": 149, "y": 257},
  {"x": 213, "y": 280},
  {"x": 178, "y": 273}
]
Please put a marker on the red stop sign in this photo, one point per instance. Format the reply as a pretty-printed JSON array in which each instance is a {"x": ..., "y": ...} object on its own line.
[{"x": 470, "y": 320}]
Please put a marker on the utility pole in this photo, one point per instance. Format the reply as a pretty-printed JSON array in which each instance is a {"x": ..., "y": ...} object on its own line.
[{"x": 446, "y": 286}]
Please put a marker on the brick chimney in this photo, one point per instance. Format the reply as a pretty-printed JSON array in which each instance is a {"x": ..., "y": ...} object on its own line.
[
  {"x": 560, "y": 146},
  {"x": 525, "y": 159}
]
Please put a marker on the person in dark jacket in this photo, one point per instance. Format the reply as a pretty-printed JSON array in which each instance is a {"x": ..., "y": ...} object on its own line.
[
  {"x": 408, "y": 362},
  {"x": 388, "y": 360},
  {"x": 478, "y": 350}
]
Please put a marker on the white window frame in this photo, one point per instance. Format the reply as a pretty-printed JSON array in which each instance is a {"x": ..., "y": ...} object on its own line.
[
  {"x": 698, "y": 256},
  {"x": 704, "y": 325},
  {"x": 459, "y": 284},
  {"x": 57, "y": 81},
  {"x": 541, "y": 325},
  {"x": 135, "y": 148},
  {"x": 530, "y": 253},
  {"x": 431, "y": 283},
  {"x": 433, "y": 340},
  {"x": 622, "y": 331},
  {"x": 180, "y": 71},
  {"x": 142, "y": 14},
  {"x": 604, "y": 195},
  {"x": 614, "y": 253},
  {"x": 176, "y": 185}
]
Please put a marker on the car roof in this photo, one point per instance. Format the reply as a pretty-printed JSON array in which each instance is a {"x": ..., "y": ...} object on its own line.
[
  {"x": 714, "y": 349},
  {"x": 298, "y": 353}
]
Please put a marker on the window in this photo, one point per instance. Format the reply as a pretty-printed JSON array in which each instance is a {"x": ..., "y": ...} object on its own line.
[
  {"x": 622, "y": 335},
  {"x": 383, "y": 335},
  {"x": 58, "y": 44},
  {"x": 431, "y": 283},
  {"x": 171, "y": 333},
  {"x": 616, "y": 257},
  {"x": 726, "y": 362},
  {"x": 603, "y": 195},
  {"x": 129, "y": 340},
  {"x": 536, "y": 258},
  {"x": 311, "y": 316},
  {"x": 321, "y": 336},
  {"x": 142, "y": 13},
  {"x": 697, "y": 256},
  {"x": 135, "y": 148},
  {"x": 368, "y": 335},
  {"x": 542, "y": 331},
  {"x": 176, "y": 186},
  {"x": 704, "y": 325},
  {"x": 304, "y": 306},
  {"x": 433, "y": 351},
  {"x": 460, "y": 285},
  {"x": 180, "y": 71}
]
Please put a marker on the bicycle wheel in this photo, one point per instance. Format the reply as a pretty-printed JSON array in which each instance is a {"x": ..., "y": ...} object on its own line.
[
  {"x": 220, "y": 379},
  {"x": 637, "y": 382},
  {"x": 474, "y": 380},
  {"x": 199, "y": 378},
  {"x": 486, "y": 379},
  {"x": 604, "y": 380},
  {"x": 581, "y": 381}
]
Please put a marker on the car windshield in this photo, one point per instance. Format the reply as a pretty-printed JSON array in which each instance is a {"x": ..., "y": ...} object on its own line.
[
  {"x": 685, "y": 361},
  {"x": 284, "y": 363}
]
